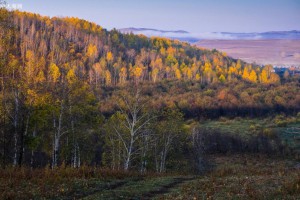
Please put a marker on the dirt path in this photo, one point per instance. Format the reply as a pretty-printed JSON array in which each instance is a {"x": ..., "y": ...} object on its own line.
[
  {"x": 167, "y": 188},
  {"x": 148, "y": 188},
  {"x": 108, "y": 186}
]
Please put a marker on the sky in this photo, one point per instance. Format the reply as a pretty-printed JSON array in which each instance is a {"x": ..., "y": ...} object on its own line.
[{"x": 195, "y": 16}]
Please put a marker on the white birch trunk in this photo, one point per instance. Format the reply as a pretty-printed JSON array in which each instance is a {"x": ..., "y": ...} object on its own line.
[
  {"x": 15, "y": 122},
  {"x": 57, "y": 135}
]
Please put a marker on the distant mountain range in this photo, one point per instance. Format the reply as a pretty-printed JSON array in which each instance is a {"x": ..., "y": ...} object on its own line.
[
  {"x": 194, "y": 37},
  {"x": 129, "y": 30},
  {"x": 177, "y": 34}
]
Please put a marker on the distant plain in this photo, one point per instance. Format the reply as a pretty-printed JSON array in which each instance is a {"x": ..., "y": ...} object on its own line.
[{"x": 275, "y": 52}]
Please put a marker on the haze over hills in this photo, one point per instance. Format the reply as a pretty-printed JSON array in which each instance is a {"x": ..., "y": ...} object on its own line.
[
  {"x": 149, "y": 32},
  {"x": 194, "y": 37},
  {"x": 279, "y": 48}
]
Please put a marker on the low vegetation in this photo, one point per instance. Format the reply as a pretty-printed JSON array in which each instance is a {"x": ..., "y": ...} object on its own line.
[
  {"x": 244, "y": 177},
  {"x": 85, "y": 182},
  {"x": 239, "y": 176}
]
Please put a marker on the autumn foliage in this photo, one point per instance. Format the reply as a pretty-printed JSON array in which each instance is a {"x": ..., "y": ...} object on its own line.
[{"x": 62, "y": 79}]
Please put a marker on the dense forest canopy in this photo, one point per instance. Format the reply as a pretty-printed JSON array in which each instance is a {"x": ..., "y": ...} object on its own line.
[
  {"x": 102, "y": 57},
  {"x": 63, "y": 79}
]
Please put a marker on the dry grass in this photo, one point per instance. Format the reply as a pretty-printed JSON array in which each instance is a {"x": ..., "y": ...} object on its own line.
[
  {"x": 244, "y": 177},
  {"x": 24, "y": 183},
  {"x": 233, "y": 177}
]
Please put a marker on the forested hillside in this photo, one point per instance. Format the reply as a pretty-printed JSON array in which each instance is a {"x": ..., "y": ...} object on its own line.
[
  {"x": 73, "y": 92},
  {"x": 44, "y": 47}
]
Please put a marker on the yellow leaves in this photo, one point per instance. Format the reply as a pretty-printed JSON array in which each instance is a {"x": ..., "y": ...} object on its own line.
[
  {"x": 35, "y": 99},
  {"x": 168, "y": 69},
  {"x": 31, "y": 93},
  {"x": 13, "y": 63},
  {"x": 216, "y": 61},
  {"x": 107, "y": 78},
  {"x": 30, "y": 62},
  {"x": 171, "y": 51},
  {"x": 82, "y": 24},
  {"x": 73, "y": 20},
  {"x": 71, "y": 76},
  {"x": 189, "y": 73},
  {"x": 31, "y": 96},
  {"x": 137, "y": 71},
  {"x": 167, "y": 42},
  {"x": 222, "y": 78},
  {"x": 29, "y": 55},
  {"x": 103, "y": 63},
  {"x": 269, "y": 69},
  {"x": 48, "y": 22},
  {"x": 123, "y": 75},
  {"x": 264, "y": 76},
  {"x": 185, "y": 70},
  {"x": 233, "y": 70},
  {"x": 99, "y": 29},
  {"x": 162, "y": 51},
  {"x": 95, "y": 28},
  {"x": 158, "y": 63},
  {"x": 109, "y": 56},
  {"x": 123, "y": 72},
  {"x": 178, "y": 74},
  {"x": 160, "y": 42},
  {"x": 171, "y": 60},
  {"x": 86, "y": 25},
  {"x": 207, "y": 66},
  {"x": 274, "y": 78},
  {"x": 208, "y": 72},
  {"x": 245, "y": 74},
  {"x": 92, "y": 51},
  {"x": 219, "y": 70},
  {"x": 97, "y": 68},
  {"x": 253, "y": 76},
  {"x": 54, "y": 72},
  {"x": 40, "y": 77},
  {"x": 238, "y": 65},
  {"x": 267, "y": 76},
  {"x": 154, "y": 74}
]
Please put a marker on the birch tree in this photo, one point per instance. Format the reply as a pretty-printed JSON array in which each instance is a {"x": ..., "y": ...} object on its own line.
[
  {"x": 168, "y": 129},
  {"x": 129, "y": 124},
  {"x": 59, "y": 94}
]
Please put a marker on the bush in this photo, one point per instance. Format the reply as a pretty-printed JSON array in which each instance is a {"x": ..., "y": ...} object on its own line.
[{"x": 281, "y": 123}]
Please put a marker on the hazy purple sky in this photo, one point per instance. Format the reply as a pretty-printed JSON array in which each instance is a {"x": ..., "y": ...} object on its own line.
[{"x": 192, "y": 15}]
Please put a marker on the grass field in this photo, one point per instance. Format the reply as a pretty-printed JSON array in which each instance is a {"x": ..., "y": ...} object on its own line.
[
  {"x": 286, "y": 128},
  {"x": 244, "y": 177},
  {"x": 233, "y": 177},
  {"x": 21, "y": 184}
]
